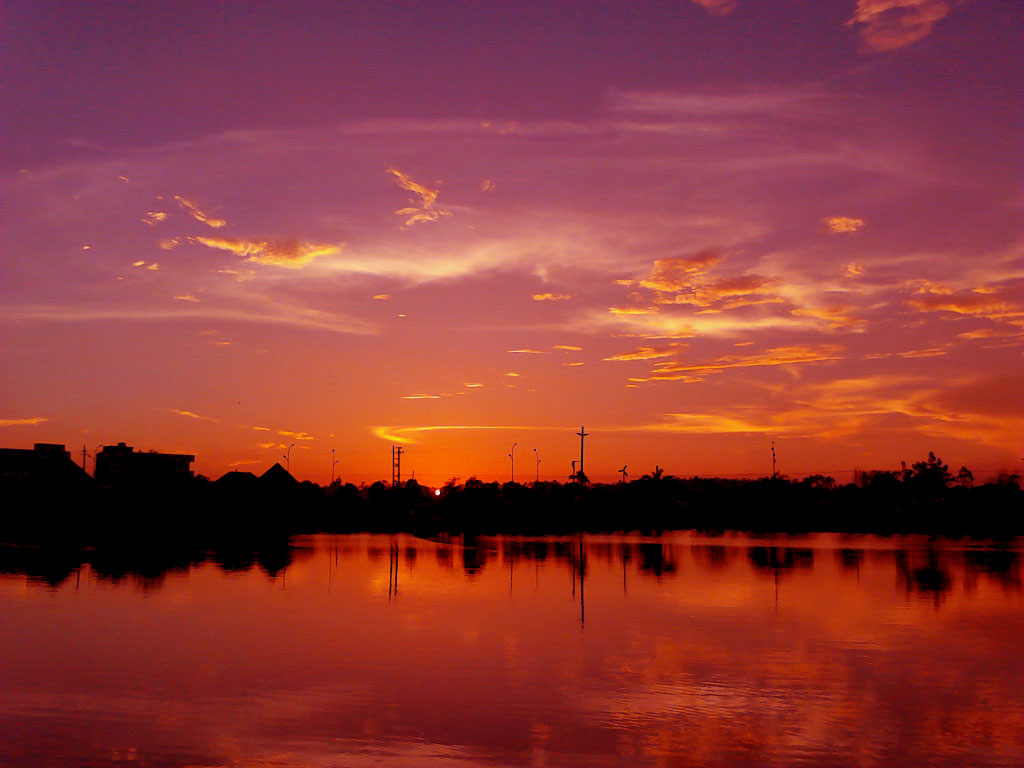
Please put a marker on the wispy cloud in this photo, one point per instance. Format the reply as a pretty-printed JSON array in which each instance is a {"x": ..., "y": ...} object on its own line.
[
  {"x": 644, "y": 353},
  {"x": 425, "y": 210},
  {"x": 998, "y": 301},
  {"x": 199, "y": 214},
  {"x": 717, "y": 7},
  {"x": 191, "y": 415},
  {"x": 885, "y": 25},
  {"x": 838, "y": 225},
  {"x": 528, "y": 351},
  {"x": 568, "y": 347},
  {"x": 290, "y": 254},
  {"x": 551, "y": 296},
  {"x": 295, "y": 435},
  {"x": 31, "y": 421}
]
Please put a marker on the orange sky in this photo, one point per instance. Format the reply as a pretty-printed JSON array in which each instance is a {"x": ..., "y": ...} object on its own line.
[{"x": 678, "y": 225}]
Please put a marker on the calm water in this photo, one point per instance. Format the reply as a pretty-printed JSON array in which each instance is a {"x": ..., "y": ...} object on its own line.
[{"x": 605, "y": 651}]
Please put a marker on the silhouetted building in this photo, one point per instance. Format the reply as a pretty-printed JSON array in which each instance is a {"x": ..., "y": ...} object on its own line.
[
  {"x": 237, "y": 481},
  {"x": 278, "y": 478},
  {"x": 46, "y": 463},
  {"x": 122, "y": 465}
]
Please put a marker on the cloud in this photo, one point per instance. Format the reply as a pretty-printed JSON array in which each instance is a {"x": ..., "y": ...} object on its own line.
[
  {"x": 198, "y": 214},
  {"x": 840, "y": 224},
  {"x": 421, "y": 396},
  {"x": 23, "y": 422},
  {"x": 568, "y": 347},
  {"x": 527, "y": 351},
  {"x": 717, "y": 7},
  {"x": 551, "y": 296},
  {"x": 381, "y": 297},
  {"x": 289, "y": 254},
  {"x": 295, "y": 435},
  {"x": 152, "y": 218},
  {"x": 790, "y": 355},
  {"x": 425, "y": 210},
  {"x": 853, "y": 270},
  {"x": 644, "y": 353},
  {"x": 406, "y": 435},
  {"x": 187, "y": 297},
  {"x": 995, "y": 301},
  {"x": 885, "y": 25},
  {"x": 191, "y": 415}
]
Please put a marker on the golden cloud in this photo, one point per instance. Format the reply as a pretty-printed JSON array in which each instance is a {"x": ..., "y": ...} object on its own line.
[
  {"x": 187, "y": 297},
  {"x": 551, "y": 296},
  {"x": 23, "y": 422},
  {"x": 1001, "y": 301},
  {"x": 425, "y": 210},
  {"x": 568, "y": 347},
  {"x": 838, "y": 225},
  {"x": 644, "y": 353},
  {"x": 790, "y": 355},
  {"x": 633, "y": 310},
  {"x": 381, "y": 297},
  {"x": 191, "y": 415},
  {"x": 527, "y": 351},
  {"x": 295, "y": 435},
  {"x": 289, "y": 254},
  {"x": 421, "y": 396},
  {"x": 152, "y": 218},
  {"x": 677, "y": 273},
  {"x": 885, "y": 25},
  {"x": 198, "y": 214}
]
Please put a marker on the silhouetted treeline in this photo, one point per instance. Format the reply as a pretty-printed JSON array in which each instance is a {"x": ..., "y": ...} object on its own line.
[{"x": 925, "y": 498}]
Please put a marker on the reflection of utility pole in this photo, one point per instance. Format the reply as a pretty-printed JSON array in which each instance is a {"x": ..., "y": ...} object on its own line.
[
  {"x": 582, "y": 433},
  {"x": 773, "y": 460},
  {"x": 396, "y": 465}
]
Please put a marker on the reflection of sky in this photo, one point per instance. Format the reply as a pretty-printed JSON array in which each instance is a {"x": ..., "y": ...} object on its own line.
[
  {"x": 856, "y": 652},
  {"x": 695, "y": 227}
]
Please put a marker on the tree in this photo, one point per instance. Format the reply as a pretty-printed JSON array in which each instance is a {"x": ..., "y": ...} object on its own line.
[{"x": 965, "y": 478}]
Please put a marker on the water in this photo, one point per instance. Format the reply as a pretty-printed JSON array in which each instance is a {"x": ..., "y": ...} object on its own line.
[{"x": 605, "y": 651}]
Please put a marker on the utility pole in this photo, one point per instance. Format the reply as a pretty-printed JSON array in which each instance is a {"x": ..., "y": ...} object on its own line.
[
  {"x": 582, "y": 433},
  {"x": 512, "y": 456},
  {"x": 396, "y": 465},
  {"x": 773, "y": 460},
  {"x": 333, "y": 465},
  {"x": 84, "y": 455},
  {"x": 537, "y": 478}
]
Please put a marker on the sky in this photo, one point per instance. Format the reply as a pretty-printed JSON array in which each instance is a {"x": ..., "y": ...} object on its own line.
[{"x": 246, "y": 231}]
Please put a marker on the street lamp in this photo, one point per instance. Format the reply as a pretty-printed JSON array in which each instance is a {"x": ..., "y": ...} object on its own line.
[
  {"x": 333, "y": 465},
  {"x": 288, "y": 459},
  {"x": 537, "y": 478},
  {"x": 513, "y": 457}
]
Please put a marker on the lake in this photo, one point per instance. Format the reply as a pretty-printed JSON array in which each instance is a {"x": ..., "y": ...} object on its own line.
[{"x": 360, "y": 650}]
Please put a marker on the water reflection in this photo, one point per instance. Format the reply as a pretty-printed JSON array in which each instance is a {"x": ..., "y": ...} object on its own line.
[{"x": 590, "y": 651}]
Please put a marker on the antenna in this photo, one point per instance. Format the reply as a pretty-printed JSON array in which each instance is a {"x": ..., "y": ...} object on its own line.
[
  {"x": 582, "y": 433},
  {"x": 396, "y": 465},
  {"x": 624, "y": 473}
]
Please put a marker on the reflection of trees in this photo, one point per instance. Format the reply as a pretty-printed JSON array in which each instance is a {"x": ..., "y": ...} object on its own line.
[
  {"x": 654, "y": 561},
  {"x": 780, "y": 558},
  {"x": 145, "y": 564},
  {"x": 924, "y": 573}
]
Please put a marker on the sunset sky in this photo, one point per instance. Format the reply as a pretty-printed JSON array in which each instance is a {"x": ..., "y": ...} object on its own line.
[{"x": 694, "y": 226}]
